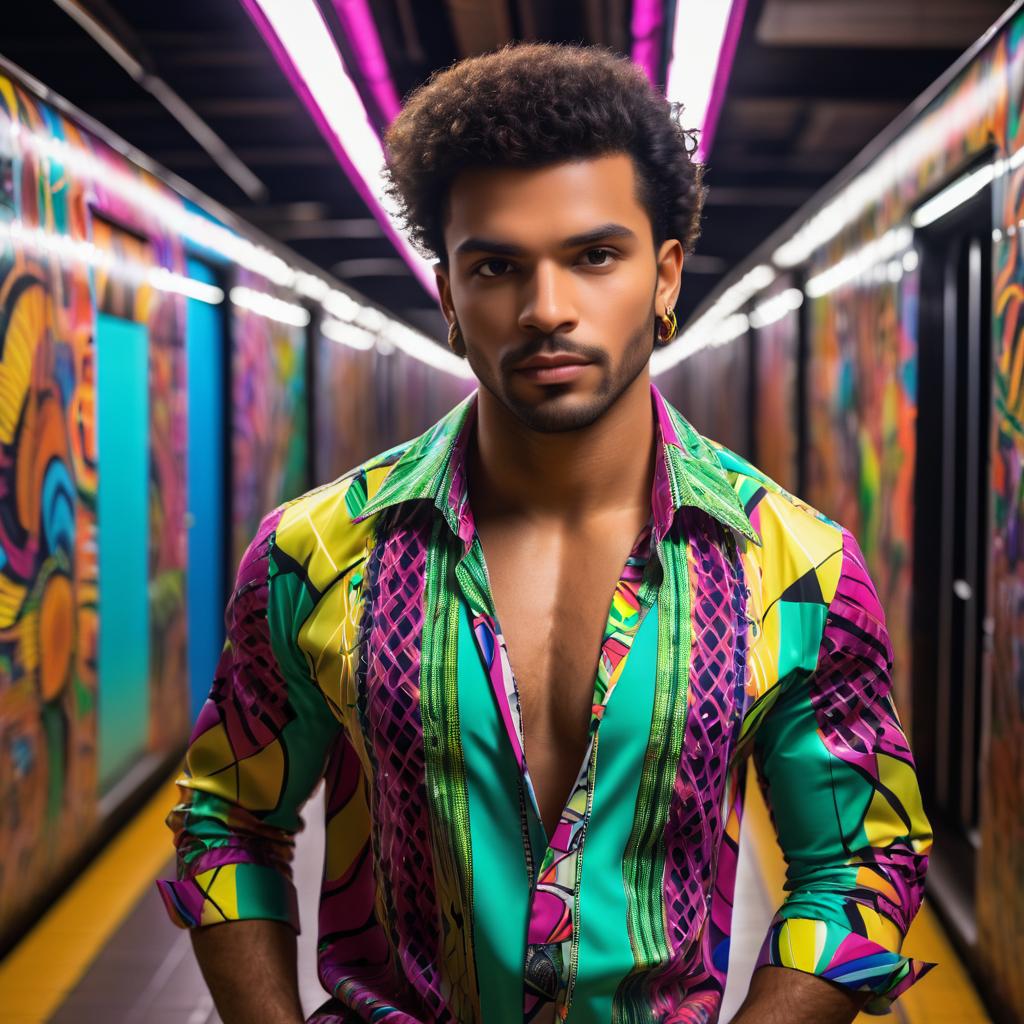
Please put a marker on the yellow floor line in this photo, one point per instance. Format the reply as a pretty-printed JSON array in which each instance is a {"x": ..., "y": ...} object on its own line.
[
  {"x": 39, "y": 973},
  {"x": 946, "y": 996}
]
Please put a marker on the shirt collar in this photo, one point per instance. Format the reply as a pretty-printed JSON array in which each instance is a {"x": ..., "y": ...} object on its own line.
[{"x": 687, "y": 473}]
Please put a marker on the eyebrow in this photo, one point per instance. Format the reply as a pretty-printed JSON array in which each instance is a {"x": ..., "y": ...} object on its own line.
[{"x": 477, "y": 244}]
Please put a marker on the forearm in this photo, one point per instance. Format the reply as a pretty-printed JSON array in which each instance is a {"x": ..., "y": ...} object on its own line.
[
  {"x": 780, "y": 995},
  {"x": 250, "y": 969}
]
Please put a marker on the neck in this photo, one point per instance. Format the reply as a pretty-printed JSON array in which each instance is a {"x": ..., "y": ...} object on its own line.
[{"x": 571, "y": 475}]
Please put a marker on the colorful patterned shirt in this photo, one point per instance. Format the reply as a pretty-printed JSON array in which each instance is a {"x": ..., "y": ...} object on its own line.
[{"x": 363, "y": 648}]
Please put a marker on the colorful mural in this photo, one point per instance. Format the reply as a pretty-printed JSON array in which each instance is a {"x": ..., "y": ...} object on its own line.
[
  {"x": 269, "y": 432},
  {"x": 776, "y": 401},
  {"x": 862, "y": 419},
  {"x": 1001, "y": 854}
]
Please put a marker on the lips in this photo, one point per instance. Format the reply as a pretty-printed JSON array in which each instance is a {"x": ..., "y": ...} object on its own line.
[
  {"x": 557, "y": 368},
  {"x": 542, "y": 362}
]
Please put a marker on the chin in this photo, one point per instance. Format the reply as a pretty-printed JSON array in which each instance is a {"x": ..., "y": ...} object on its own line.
[{"x": 556, "y": 410}]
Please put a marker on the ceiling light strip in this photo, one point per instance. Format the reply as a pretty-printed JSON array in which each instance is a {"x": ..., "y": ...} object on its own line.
[
  {"x": 66, "y": 249},
  {"x": 361, "y": 31},
  {"x": 704, "y": 36},
  {"x": 646, "y": 26},
  {"x": 304, "y": 48},
  {"x": 269, "y": 306}
]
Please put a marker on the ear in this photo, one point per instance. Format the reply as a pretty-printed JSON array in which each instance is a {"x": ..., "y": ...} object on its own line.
[
  {"x": 444, "y": 292},
  {"x": 670, "y": 269}
]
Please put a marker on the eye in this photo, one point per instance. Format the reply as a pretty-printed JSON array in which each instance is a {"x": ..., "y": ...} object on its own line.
[
  {"x": 487, "y": 263},
  {"x": 603, "y": 263}
]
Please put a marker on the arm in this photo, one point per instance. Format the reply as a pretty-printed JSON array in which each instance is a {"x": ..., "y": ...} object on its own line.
[
  {"x": 257, "y": 751},
  {"x": 780, "y": 996},
  {"x": 267, "y": 990},
  {"x": 839, "y": 779}
]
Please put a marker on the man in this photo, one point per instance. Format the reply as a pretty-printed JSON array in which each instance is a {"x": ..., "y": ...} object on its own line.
[{"x": 530, "y": 650}]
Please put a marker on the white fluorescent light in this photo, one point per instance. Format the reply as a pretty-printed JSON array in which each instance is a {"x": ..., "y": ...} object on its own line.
[
  {"x": 955, "y": 195},
  {"x": 269, "y": 306},
  {"x": 426, "y": 351},
  {"x": 67, "y": 250},
  {"x": 167, "y": 281},
  {"x": 698, "y": 46},
  {"x": 308, "y": 44},
  {"x": 752, "y": 282},
  {"x": 347, "y": 334},
  {"x": 869, "y": 258},
  {"x": 775, "y": 308},
  {"x": 731, "y": 328},
  {"x": 340, "y": 305}
]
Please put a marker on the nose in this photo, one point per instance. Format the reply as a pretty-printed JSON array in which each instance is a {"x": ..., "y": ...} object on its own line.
[{"x": 549, "y": 301}]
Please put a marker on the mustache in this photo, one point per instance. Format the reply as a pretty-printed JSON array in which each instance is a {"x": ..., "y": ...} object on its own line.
[{"x": 552, "y": 344}]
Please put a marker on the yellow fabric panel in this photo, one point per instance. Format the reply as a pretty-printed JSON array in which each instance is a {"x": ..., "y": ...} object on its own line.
[
  {"x": 210, "y": 753},
  {"x": 219, "y": 885},
  {"x": 328, "y": 637},
  {"x": 882, "y": 824},
  {"x": 802, "y": 943},
  {"x": 318, "y": 532},
  {"x": 794, "y": 542},
  {"x": 261, "y": 777},
  {"x": 901, "y": 779},
  {"x": 374, "y": 478},
  {"x": 347, "y": 833},
  {"x": 880, "y": 929}
]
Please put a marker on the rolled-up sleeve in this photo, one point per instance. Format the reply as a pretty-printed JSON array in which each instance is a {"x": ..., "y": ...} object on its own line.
[
  {"x": 256, "y": 753},
  {"x": 839, "y": 779}
]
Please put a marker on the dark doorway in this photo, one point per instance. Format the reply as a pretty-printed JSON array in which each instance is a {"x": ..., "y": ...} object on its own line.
[{"x": 951, "y": 528}]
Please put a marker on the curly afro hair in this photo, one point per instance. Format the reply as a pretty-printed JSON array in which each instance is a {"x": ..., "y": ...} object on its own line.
[{"x": 532, "y": 105}]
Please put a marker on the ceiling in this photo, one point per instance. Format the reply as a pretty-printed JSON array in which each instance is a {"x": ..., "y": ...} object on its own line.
[{"x": 812, "y": 83}]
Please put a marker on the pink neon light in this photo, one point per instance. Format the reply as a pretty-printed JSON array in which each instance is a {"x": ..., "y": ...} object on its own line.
[
  {"x": 722, "y": 72},
  {"x": 423, "y": 273},
  {"x": 357, "y": 21},
  {"x": 646, "y": 27}
]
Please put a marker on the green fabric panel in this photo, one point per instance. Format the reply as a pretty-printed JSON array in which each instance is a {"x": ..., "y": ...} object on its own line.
[
  {"x": 500, "y": 886},
  {"x": 807, "y": 788},
  {"x": 605, "y": 952},
  {"x": 308, "y": 736},
  {"x": 261, "y": 892},
  {"x": 801, "y": 625}
]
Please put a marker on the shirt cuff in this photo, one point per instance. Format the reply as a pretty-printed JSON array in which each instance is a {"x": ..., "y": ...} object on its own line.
[
  {"x": 230, "y": 892},
  {"x": 838, "y": 954}
]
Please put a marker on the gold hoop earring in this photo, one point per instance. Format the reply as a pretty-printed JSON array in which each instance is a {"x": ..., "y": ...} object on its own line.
[
  {"x": 670, "y": 323},
  {"x": 455, "y": 340}
]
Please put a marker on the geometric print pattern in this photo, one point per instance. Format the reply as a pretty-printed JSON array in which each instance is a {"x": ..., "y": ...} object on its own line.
[
  {"x": 851, "y": 703},
  {"x": 689, "y": 987},
  {"x": 781, "y": 653}
]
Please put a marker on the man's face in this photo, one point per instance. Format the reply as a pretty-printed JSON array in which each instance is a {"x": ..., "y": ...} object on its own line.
[{"x": 555, "y": 285}]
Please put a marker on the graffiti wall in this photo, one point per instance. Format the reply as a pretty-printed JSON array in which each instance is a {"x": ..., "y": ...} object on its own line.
[
  {"x": 51, "y": 698},
  {"x": 862, "y": 409},
  {"x": 775, "y": 403},
  {"x": 1001, "y": 867},
  {"x": 269, "y": 426}
]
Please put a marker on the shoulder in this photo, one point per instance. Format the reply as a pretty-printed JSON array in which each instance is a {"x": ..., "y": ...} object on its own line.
[
  {"x": 316, "y": 533},
  {"x": 802, "y": 549}
]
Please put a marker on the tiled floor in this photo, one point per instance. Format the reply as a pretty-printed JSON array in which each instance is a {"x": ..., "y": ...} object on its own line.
[{"x": 148, "y": 975}]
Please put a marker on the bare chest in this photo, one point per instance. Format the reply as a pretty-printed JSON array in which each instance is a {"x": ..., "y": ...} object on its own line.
[{"x": 552, "y": 598}]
